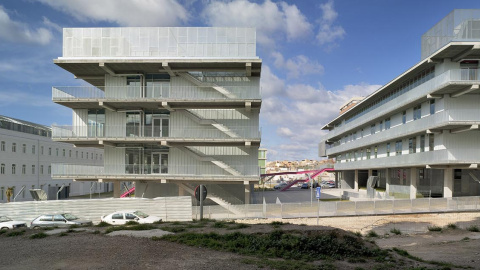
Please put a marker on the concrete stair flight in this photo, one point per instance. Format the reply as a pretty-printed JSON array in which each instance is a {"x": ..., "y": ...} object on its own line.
[
  {"x": 197, "y": 82},
  {"x": 202, "y": 157},
  {"x": 202, "y": 121},
  {"x": 226, "y": 167}
]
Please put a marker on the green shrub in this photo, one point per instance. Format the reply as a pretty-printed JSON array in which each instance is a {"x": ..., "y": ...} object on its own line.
[
  {"x": 74, "y": 226},
  {"x": 63, "y": 234},
  {"x": 238, "y": 226},
  {"x": 15, "y": 233},
  {"x": 220, "y": 224},
  {"x": 103, "y": 224},
  {"x": 434, "y": 228},
  {"x": 357, "y": 233},
  {"x": 139, "y": 227},
  {"x": 473, "y": 228},
  {"x": 38, "y": 235},
  {"x": 395, "y": 231},
  {"x": 173, "y": 229},
  {"x": 96, "y": 232},
  {"x": 372, "y": 234},
  {"x": 131, "y": 222},
  {"x": 452, "y": 226}
]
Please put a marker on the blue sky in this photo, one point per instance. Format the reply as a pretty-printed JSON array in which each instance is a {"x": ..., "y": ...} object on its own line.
[{"x": 316, "y": 54}]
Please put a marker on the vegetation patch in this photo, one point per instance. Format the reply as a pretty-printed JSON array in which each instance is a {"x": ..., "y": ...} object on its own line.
[
  {"x": 444, "y": 265},
  {"x": 280, "y": 244},
  {"x": 452, "y": 226},
  {"x": 286, "y": 264},
  {"x": 74, "y": 226},
  {"x": 96, "y": 232},
  {"x": 434, "y": 228},
  {"x": 173, "y": 229},
  {"x": 372, "y": 234},
  {"x": 2, "y": 231},
  {"x": 15, "y": 233},
  {"x": 220, "y": 224},
  {"x": 238, "y": 226},
  {"x": 48, "y": 228},
  {"x": 396, "y": 231},
  {"x": 131, "y": 222},
  {"x": 38, "y": 235},
  {"x": 103, "y": 224},
  {"x": 63, "y": 234},
  {"x": 473, "y": 228},
  {"x": 139, "y": 227}
]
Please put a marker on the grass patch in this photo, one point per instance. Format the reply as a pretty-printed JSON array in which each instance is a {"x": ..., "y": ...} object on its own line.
[
  {"x": 63, "y": 234},
  {"x": 48, "y": 228},
  {"x": 2, "y": 231},
  {"x": 396, "y": 231},
  {"x": 473, "y": 228},
  {"x": 15, "y": 233},
  {"x": 452, "y": 226},
  {"x": 139, "y": 227},
  {"x": 173, "y": 229},
  {"x": 220, "y": 224},
  {"x": 131, "y": 222},
  {"x": 444, "y": 265},
  {"x": 238, "y": 226},
  {"x": 434, "y": 228},
  {"x": 284, "y": 265},
  {"x": 96, "y": 232},
  {"x": 74, "y": 226},
  {"x": 372, "y": 234},
  {"x": 158, "y": 222},
  {"x": 38, "y": 235},
  {"x": 195, "y": 225},
  {"x": 357, "y": 233},
  {"x": 465, "y": 238},
  {"x": 316, "y": 246},
  {"x": 103, "y": 224}
]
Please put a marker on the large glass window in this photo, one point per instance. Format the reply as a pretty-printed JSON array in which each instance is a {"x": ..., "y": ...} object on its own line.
[
  {"x": 24, "y": 169},
  {"x": 417, "y": 112},
  {"x": 388, "y": 149},
  {"x": 157, "y": 124},
  {"x": 158, "y": 85},
  {"x": 96, "y": 122},
  {"x": 431, "y": 142},
  {"x": 398, "y": 148},
  {"x": 375, "y": 151},
  {"x": 422, "y": 143},
  {"x": 14, "y": 147},
  {"x": 432, "y": 106},
  {"x": 368, "y": 153},
  {"x": 3, "y": 146},
  {"x": 133, "y": 124},
  {"x": 404, "y": 117},
  {"x": 387, "y": 123},
  {"x": 134, "y": 86},
  {"x": 14, "y": 168},
  {"x": 412, "y": 145},
  {"x": 2, "y": 169},
  {"x": 372, "y": 129},
  {"x": 24, "y": 148}
]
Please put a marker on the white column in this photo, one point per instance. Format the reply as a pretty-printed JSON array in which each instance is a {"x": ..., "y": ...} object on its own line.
[
  {"x": 356, "y": 180},
  {"x": 247, "y": 192},
  {"x": 413, "y": 183},
  {"x": 117, "y": 190},
  {"x": 387, "y": 181},
  {"x": 447, "y": 183}
]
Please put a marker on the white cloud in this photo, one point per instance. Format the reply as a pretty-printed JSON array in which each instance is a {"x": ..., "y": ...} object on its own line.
[
  {"x": 270, "y": 84},
  {"x": 297, "y": 66},
  {"x": 272, "y": 20},
  {"x": 124, "y": 12},
  {"x": 13, "y": 97},
  {"x": 15, "y": 31},
  {"x": 52, "y": 25},
  {"x": 329, "y": 33}
]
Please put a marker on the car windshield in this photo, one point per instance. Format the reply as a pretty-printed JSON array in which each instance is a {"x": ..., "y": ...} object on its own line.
[
  {"x": 69, "y": 216},
  {"x": 5, "y": 219},
  {"x": 140, "y": 214}
]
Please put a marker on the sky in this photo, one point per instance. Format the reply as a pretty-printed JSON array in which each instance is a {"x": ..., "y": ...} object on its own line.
[{"x": 317, "y": 54}]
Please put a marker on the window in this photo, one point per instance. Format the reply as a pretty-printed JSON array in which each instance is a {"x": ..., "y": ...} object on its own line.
[
  {"x": 361, "y": 154},
  {"x": 356, "y": 155},
  {"x": 431, "y": 140},
  {"x": 49, "y": 151},
  {"x": 422, "y": 143},
  {"x": 457, "y": 174},
  {"x": 361, "y": 133},
  {"x": 63, "y": 152},
  {"x": 82, "y": 154},
  {"x": 91, "y": 156},
  {"x": 372, "y": 129},
  {"x": 404, "y": 117},
  {"x": 380, "y": 127},
  {"x": 14, "y": 147},
  {"x": 96, "y": 155},
  {"x": 76, "y": 154},
  {"x": 368, "y": 153},
  {"x": 24, "y": 148},
  {"x": 432, "y": 106},
  {"x": 417, "y": 112},
  {"x": 57, "y": 151},
  {"x": 129, "y": 216},
  {"x": 41, "y": 149},
  {"x": 117, "y": 216},
  {"x": 339, "y": 158},
  {"x": 49, "y": 169},
  {"x": 58, "y": 218},
  {"x": 412, "y": 145},
  {"x": 387, "y": 123},
  {"x": 398, "y": 148},
  {"x": 24, "y": 169},
  {"x": 375, "y": 150},
  {"x": 69, "y": 153},
  {"x": 388, "y": 149},
  {"x": 33, "y": 169},
  {"x": 33, "y": 149},
  {"x": 14, "y": 168},
  {"x": 2, "y": 169},
  {"x": 355, "y": 135},
  {"x": 3, "y": 146},
  {"x": 41, "y": 169}
]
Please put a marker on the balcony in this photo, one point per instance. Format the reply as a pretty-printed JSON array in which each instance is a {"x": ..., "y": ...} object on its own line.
[
  {"x": 452, "y": 82},
  {"x": 132, "y": 172},
  {"x": 431, "y": 158},
  {"x": 237, "y": 135}
]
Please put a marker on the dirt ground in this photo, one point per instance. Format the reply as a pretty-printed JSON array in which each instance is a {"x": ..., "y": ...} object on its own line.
[{"x": 89, "y": 250}]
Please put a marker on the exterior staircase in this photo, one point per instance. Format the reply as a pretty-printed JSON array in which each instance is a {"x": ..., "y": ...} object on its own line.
[
  {"x": 202, "y": 157},
  {"x": 202, "y": 121},
  {"x": 198, "y": 82}
]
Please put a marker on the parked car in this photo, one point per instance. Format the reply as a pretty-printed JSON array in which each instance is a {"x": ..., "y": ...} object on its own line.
[
  {"x": 280, "y": 186},
  {"x": 305, "y": 186},
  {"x": 58, "y": 220},
  {"x": 122, "y": 217},
  {"x": 8, "y": 223}
]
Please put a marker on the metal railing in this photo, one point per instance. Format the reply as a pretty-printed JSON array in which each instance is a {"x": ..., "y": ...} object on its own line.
[
  {"x": 149, "y": 93},
  {"x": 131, "y": 132},
  {"x": 74, "y": 170}
]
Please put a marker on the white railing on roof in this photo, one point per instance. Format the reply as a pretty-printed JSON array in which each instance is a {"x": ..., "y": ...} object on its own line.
[{"x": 156, "y": 42}]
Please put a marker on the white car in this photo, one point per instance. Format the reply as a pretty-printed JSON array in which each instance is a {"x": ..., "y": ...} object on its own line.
[
  {"x": 122, "y": 217},
  {"x": 8, "y": 223}
]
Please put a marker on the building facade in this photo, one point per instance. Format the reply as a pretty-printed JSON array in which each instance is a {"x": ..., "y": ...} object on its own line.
[
  {"x": 26, "y": 156},
  {"x": 171, "y": 107},
  {"x": 420, "y": 132}
]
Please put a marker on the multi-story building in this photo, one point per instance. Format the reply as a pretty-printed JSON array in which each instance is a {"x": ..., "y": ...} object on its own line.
[
  {"x": 171, "y": 107},
  {"x": 420, "y": 132},
  {"x": 26, "y": 156}
]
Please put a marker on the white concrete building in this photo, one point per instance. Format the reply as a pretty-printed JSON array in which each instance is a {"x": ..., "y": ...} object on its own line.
[
  {"x": 171, "y": 107},
  {"x": 420, "y": 132},
  {"x": 26, "y": 156}
]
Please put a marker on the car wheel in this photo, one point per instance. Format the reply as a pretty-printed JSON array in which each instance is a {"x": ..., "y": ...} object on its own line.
[{"x": 4, "y": 228}]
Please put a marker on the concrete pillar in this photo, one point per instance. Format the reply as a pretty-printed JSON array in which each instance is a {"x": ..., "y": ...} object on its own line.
[
  {"x": 247, "y": 192},
  {"x": 448, "y": 183},
  {"x": 336, "y": 180},
  {"x": 117, "y": 189},
  {"x": 387, "y": 181},
  {"x": 370, "y": 173},
  {"x": 356, "y": 180},
  {"x": 413, "y": 183}
]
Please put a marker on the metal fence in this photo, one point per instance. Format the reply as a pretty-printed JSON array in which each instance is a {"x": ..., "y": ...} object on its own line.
[
  {"x": 340, "y": 208},
  {"x": 167, "y": 208}
]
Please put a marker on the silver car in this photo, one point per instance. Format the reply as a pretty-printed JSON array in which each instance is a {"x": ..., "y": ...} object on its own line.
[
  {"x": 8, "y": 223},
  {"x": 58, "y": 220}
]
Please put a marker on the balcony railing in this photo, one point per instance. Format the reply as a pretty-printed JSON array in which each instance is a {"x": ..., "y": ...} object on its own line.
[
  {"x": 150, "y": 171},
  {"x": 429, "y": 87},
  {"x": 147, "y": 93},
  {"x": 134, "y": 132}
]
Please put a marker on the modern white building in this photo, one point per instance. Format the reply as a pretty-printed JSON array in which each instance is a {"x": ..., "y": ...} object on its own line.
[
  {"x": 26, "y": 156},
  {"x": 420, "y": 132},
  {"x": 171, "y": 107}
]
